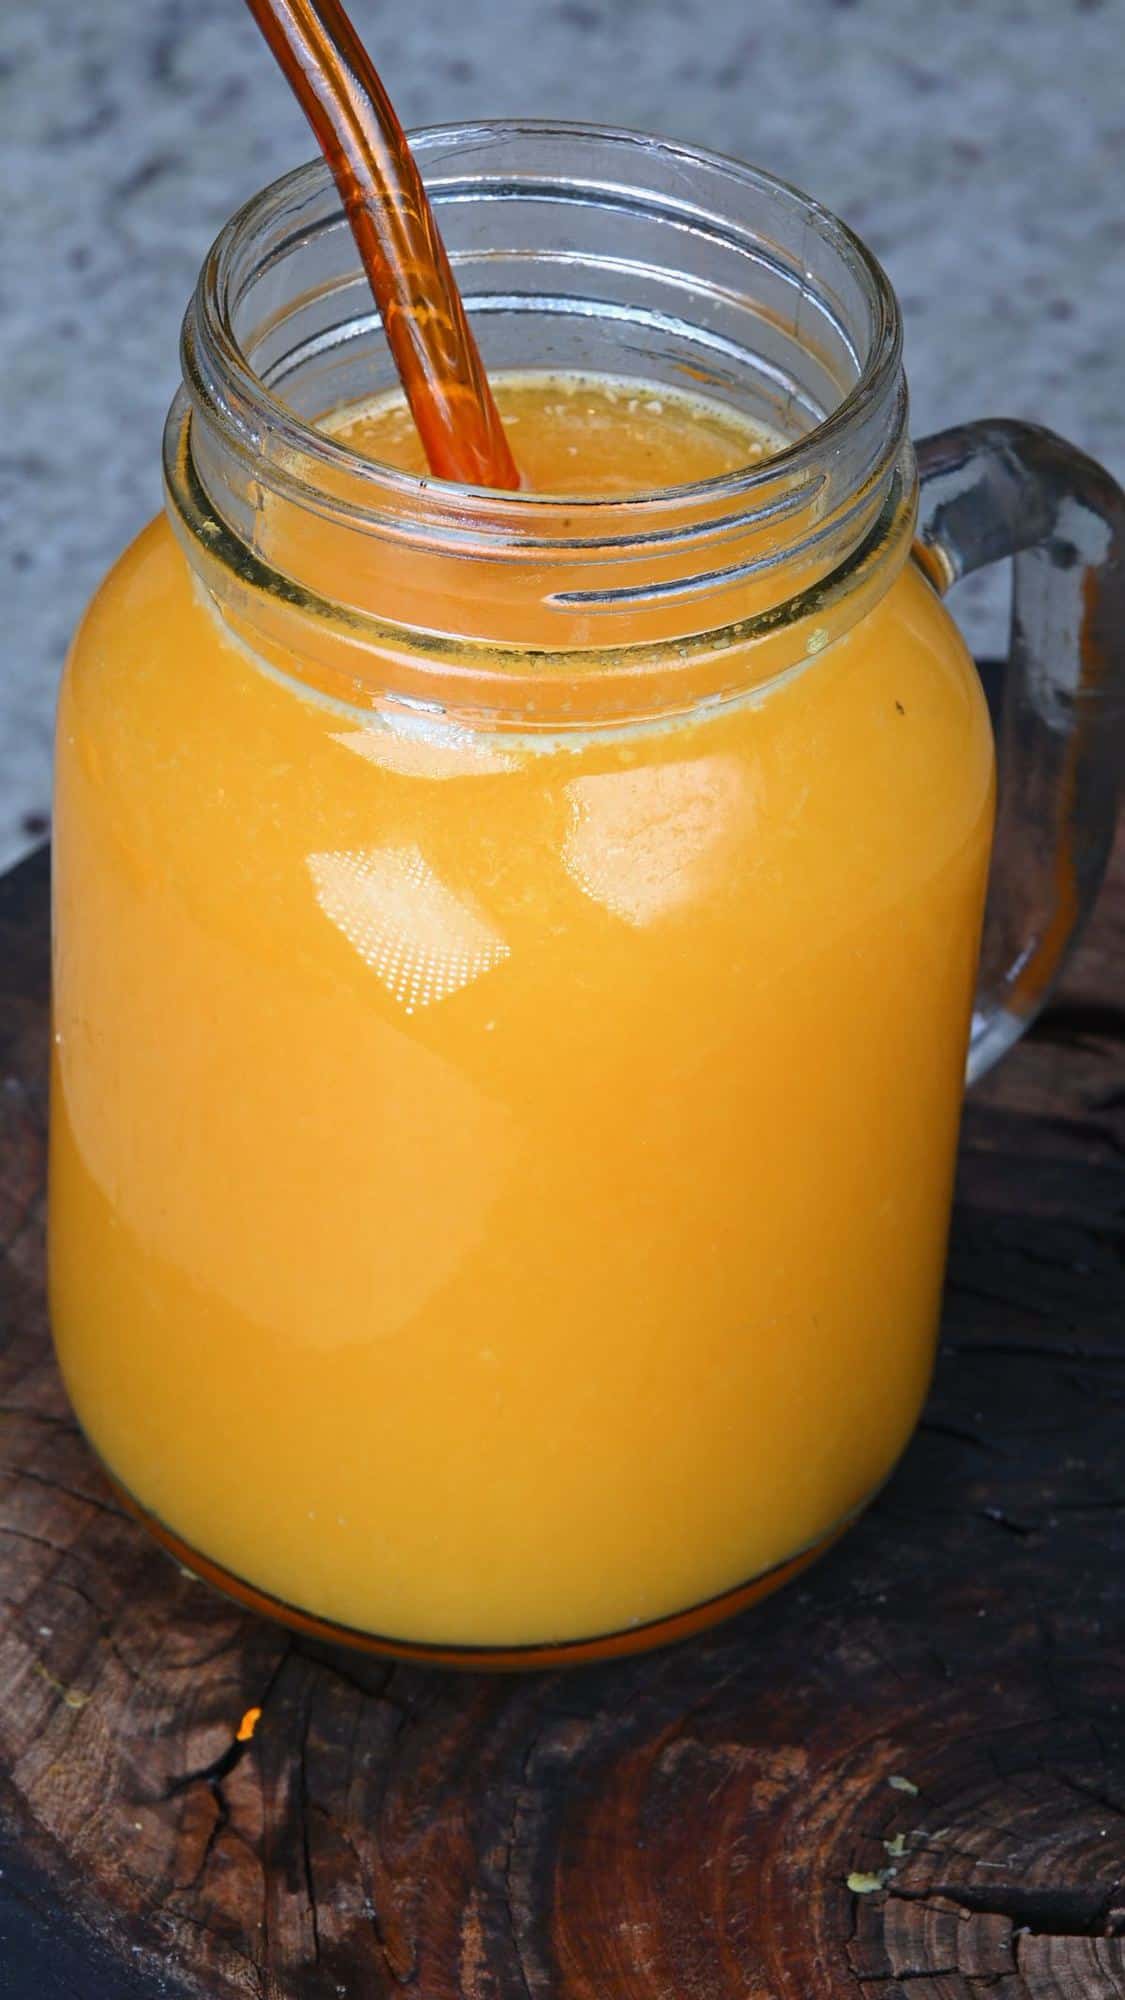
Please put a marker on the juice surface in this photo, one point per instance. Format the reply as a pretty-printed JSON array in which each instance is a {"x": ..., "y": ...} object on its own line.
[
  {"x": 587, "y": 435},
  {"x": 499, "y": 1192}
]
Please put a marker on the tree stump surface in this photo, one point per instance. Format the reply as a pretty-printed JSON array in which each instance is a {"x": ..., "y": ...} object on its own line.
[{"x": 902, "y": 1776}]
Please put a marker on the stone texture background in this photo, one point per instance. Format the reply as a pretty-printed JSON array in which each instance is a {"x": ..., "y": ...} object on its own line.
[{"x": 978, "y": 145}]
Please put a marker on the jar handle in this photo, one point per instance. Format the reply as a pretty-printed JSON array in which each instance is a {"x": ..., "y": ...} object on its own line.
[{"x": 997, "y": 489}]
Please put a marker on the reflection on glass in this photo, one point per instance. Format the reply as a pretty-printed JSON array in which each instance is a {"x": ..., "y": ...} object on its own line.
[
  {"x": 455, "y": 754},
  {"x": 641, "y": 841},
  {"x": 421, "y": 940}
]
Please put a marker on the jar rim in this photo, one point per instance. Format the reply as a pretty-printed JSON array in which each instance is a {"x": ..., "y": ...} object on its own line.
[
  {"x": 525, "y": 516},
  {"x": 637, "y": 603}
]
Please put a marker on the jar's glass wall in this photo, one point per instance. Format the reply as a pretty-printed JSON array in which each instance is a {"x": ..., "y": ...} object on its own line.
[{"x": 500, "y": 1181}]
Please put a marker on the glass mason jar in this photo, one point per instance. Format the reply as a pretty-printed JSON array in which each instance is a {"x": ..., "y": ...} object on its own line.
[{"x": 515, "y": 957}]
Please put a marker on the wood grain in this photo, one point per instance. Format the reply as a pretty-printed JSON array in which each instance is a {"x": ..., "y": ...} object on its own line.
[{"x": 935, "y": 1713}]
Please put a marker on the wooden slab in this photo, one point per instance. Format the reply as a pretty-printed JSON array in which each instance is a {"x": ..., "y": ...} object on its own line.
[{"x": 943, "y": 1697}]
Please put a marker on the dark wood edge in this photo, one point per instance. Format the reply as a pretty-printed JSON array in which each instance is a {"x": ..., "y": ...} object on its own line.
[{"x": 48, "y": 1953}]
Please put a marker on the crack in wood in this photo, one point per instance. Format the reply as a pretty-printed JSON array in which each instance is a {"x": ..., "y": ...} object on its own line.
[
  {"x": 1034, "y": 1350},
  {"x": 1084, "y": 1020},
  {"x": 1000, "y": 1519},
  {"x": 220, "y": 1767},
  {"x": 304, "y": 1812},
  {"x": 959, "y": 1433},
  {"x": 17, "y": 1472},
  {"x": 1072, "y": 1911}
]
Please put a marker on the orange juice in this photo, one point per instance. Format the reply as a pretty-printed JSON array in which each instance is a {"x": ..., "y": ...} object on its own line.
[{"x": 500, "y": 1183}]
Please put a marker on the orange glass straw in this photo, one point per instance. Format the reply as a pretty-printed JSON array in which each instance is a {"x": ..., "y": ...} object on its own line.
[{"x": 423, "y": 314}]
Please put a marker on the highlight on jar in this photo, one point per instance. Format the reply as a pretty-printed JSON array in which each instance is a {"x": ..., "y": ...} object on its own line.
[{"x": 524, "y": 815}]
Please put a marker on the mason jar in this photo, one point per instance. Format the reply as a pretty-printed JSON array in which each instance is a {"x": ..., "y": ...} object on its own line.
[{"x": 516, "y": 956}]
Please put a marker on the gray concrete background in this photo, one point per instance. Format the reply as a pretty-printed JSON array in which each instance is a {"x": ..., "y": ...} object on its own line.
[{"x": 978, "y": 145}]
